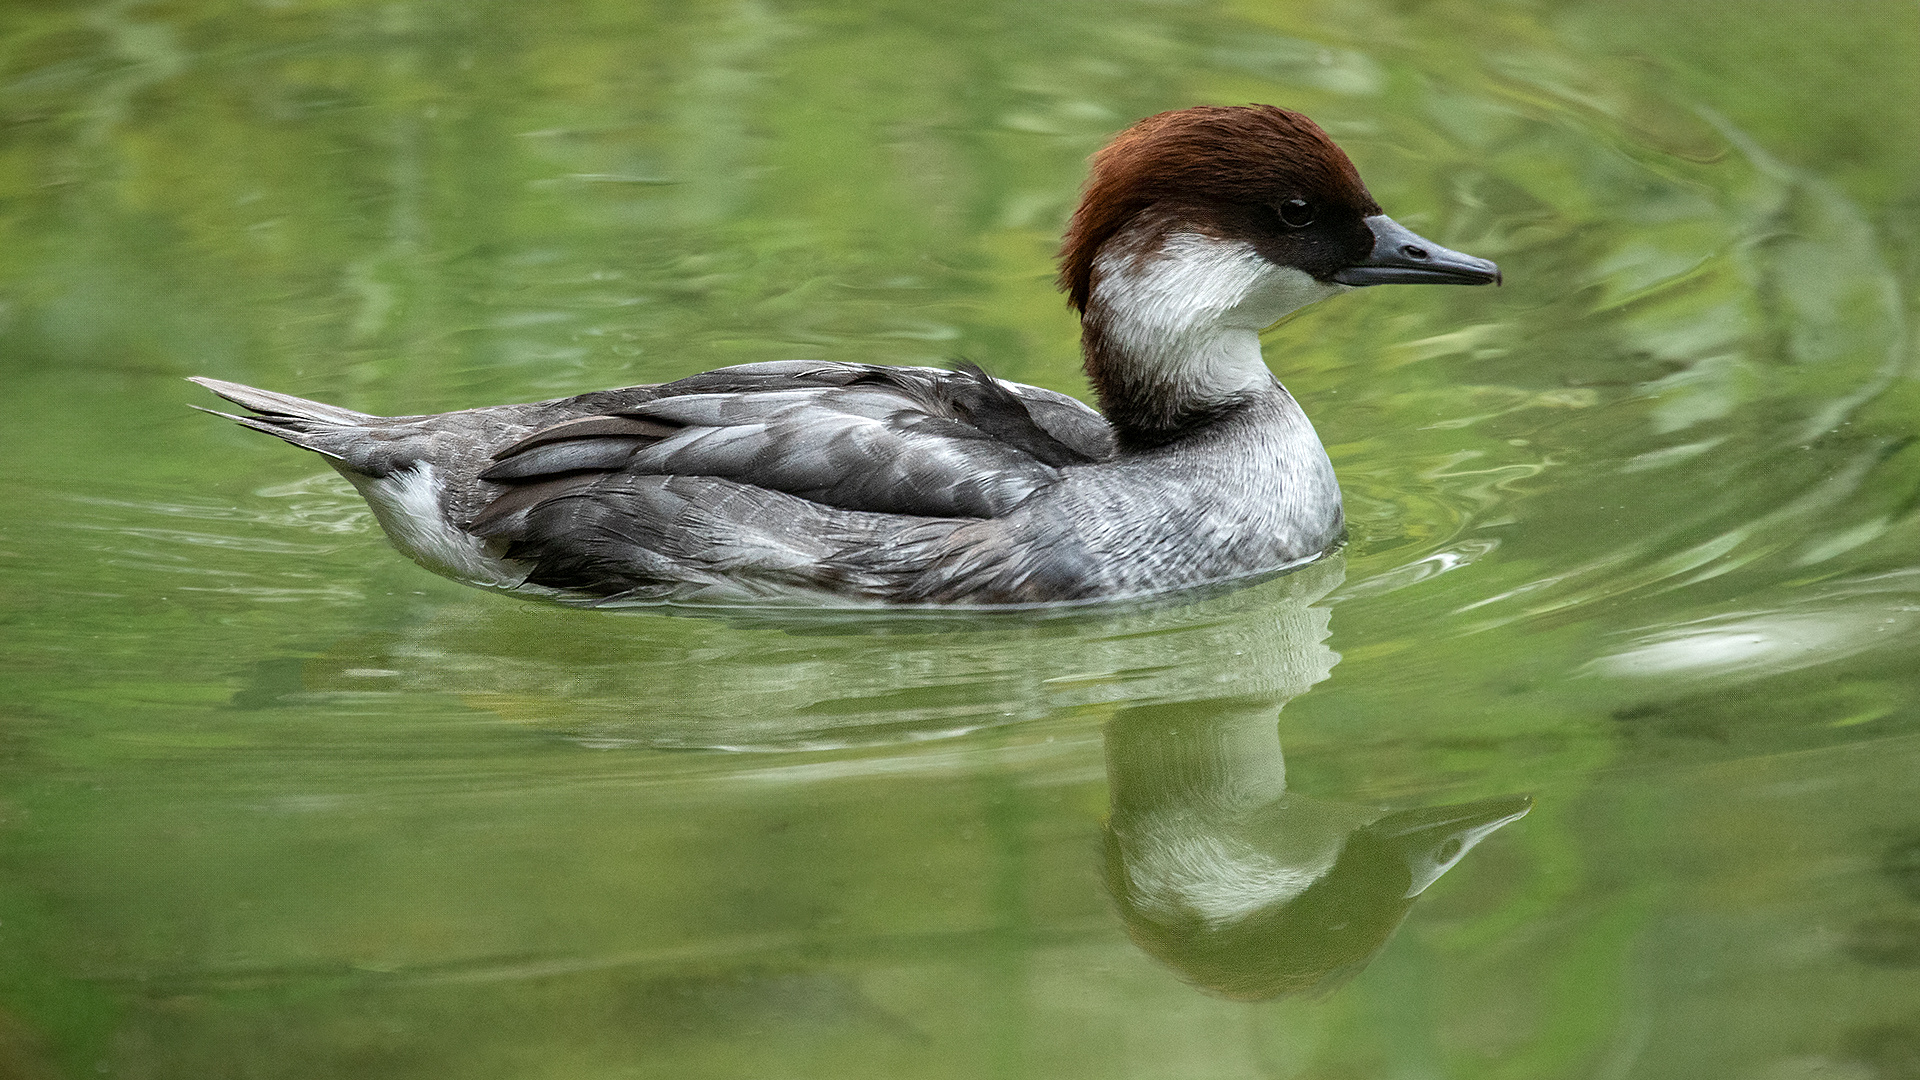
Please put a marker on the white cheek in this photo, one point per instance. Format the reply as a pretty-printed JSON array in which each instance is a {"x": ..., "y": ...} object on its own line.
[
  {"x": 1190, "y": 312},
  {"x": 1279, "y": 292},
  {"x": 1190, "y": 280},
  {"x": 1195, "y": 282}
]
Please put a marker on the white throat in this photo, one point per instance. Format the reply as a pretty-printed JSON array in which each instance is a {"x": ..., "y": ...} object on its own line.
[{"x": 1187, "y": 311}]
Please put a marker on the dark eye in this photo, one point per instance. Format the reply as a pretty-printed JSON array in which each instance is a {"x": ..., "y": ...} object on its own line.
[{"x": 1296, "y": 213}]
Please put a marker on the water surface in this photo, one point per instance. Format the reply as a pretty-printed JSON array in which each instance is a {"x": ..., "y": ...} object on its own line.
[{"x": 1633, "y": 536}]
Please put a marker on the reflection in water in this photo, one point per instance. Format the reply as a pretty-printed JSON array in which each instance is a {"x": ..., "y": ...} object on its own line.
[
  {"x": 1245, "y": 889},
  {"x": 814, "y": 681}
]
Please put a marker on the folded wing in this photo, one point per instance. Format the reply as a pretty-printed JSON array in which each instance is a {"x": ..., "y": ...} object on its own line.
[{"x": 914, "y": 442}]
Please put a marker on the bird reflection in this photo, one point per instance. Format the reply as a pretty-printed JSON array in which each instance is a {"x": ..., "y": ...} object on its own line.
[
  {"x": 1244, "y": 888},
  {"x": 1249, "y": 890}
]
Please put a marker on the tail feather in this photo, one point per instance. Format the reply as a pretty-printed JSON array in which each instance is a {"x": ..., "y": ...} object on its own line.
[
  {"x": 329, "y": 430},
  {"x": 269, "y": 403},
  {"x": 281, "y": 427}
]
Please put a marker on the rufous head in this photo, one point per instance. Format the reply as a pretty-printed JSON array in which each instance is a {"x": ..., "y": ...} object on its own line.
[{"x": 1256, "y": 173}]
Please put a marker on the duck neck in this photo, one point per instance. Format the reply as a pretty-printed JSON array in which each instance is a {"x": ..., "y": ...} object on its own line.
[
  {"x": 1213, "y": 759},
  {"x": 1171, "y": 329}
]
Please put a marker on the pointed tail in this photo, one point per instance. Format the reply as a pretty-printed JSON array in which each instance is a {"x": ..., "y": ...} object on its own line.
[{"x": 310, "y": 425}]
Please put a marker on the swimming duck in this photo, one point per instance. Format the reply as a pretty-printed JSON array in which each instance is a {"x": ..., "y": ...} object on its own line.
[{"x": 919, "y": 486}]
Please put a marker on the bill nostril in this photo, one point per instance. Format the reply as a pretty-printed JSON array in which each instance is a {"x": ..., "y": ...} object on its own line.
[{"x": 1412, "y": 252}]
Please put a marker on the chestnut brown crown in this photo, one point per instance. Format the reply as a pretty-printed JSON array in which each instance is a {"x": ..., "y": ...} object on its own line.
[{"x": 1252, "y": 172}]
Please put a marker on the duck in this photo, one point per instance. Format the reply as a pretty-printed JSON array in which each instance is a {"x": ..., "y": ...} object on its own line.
[{"x": 828, "y": 482}]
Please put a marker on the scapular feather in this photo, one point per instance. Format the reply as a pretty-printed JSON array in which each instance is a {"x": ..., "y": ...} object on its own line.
[
  {"x": 573, "y": 455},
  {"x": 626, "y": 426}
]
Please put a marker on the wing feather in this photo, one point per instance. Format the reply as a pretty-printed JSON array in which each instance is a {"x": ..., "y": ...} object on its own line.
[
  {"x": 742, "y": 470},
  {"x": 916, "y": 441},
  {"x": 586, "y": 427}
]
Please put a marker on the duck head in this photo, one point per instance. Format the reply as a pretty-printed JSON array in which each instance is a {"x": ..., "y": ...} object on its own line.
[{"x": 1199, "y": 228}]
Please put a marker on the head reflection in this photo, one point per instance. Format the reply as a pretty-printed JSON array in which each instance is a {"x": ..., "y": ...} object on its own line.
[{"x": 1246, "y": 889}]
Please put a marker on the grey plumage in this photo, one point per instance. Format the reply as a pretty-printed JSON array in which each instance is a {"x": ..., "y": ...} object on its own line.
[{"x": 903, "y": 485}]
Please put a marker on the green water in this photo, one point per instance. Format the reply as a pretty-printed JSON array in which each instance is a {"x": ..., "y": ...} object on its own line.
[{"x": 1634, "y": 535}]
